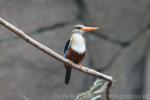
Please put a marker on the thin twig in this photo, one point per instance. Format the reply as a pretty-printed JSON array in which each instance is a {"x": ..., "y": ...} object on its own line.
[
  {"x": 109, "y": 84},
  {"x": 57, "y": 56}
]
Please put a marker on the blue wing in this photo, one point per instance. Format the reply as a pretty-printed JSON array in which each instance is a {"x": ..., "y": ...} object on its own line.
[{"x": 67, "y": 46}]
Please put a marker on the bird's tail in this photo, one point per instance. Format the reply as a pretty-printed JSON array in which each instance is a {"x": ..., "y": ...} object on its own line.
[{"x": 68, "y": 74}]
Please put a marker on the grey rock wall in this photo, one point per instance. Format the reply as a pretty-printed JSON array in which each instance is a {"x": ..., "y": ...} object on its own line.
[{"x": 120, "y": 50}]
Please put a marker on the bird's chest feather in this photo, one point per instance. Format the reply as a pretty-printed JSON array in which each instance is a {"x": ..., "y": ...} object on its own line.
[
  {"x": 74, "y": 56},
  {"x": 78, "y": 43}
]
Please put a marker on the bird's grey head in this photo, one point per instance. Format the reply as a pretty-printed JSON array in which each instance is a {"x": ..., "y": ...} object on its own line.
[{"x": 78, "y": 29}]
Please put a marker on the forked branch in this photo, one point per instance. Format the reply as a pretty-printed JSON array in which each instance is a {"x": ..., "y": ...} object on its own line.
[{"x": 57, "y": 56}]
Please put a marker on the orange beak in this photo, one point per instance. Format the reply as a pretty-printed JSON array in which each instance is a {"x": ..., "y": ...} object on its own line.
[{"x": 90, "y": 29}]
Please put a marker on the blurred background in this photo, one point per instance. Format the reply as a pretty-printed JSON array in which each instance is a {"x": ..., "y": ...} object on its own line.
[{"x": 121, "y": 50}]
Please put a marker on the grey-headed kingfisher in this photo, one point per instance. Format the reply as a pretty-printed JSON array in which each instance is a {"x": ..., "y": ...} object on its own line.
[{"x": 75, "y": 47}]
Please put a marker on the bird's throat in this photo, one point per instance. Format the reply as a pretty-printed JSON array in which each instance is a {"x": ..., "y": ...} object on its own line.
[{"x": 78, "y": 43}]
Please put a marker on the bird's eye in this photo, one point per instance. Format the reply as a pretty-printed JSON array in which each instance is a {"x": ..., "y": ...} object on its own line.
[{"x": 78, "y": 27}]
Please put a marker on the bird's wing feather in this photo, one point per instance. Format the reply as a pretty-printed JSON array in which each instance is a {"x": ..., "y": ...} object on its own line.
[
  {"x": 68, "y": 69},
  {"x": 67, "y": 46}
]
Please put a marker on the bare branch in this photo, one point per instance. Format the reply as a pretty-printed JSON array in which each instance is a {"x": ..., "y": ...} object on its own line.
[
  {"x": 109, "y": 84},
  {"x": 57, "y": 56}
]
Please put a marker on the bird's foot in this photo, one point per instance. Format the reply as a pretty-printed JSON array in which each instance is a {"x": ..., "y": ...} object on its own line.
[
  {"x": 71, "y": 63},
  {"x": 81, "y": 66}
]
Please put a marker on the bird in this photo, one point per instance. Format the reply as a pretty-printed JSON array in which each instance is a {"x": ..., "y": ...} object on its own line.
[{"x": 75, "y": 47}]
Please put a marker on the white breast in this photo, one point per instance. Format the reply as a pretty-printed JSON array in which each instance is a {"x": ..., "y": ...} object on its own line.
[{"x": 78, "y": 43}]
